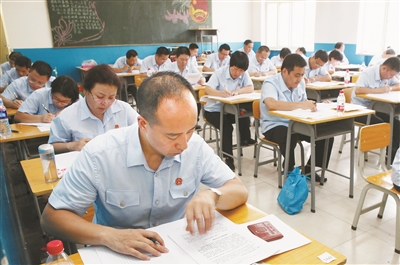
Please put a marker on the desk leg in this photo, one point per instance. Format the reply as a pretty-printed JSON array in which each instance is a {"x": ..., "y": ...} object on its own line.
[
  {"x": 351, "y": 162},
  {"x": 324, "y": 161},
  {"x": 391, "y": 117},
  {"x": 312, "y": 176},
  {"x": 35, "y": 200},
  {"x": 287, "y": 153},
  {"x": 238, "y": 147},
  {"x": 221, "y": 130}
]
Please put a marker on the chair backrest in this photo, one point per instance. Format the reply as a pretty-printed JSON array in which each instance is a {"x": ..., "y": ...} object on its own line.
[
  {"x": 201, "y": 94},
  {"x": 256, "y": 109},
  {"x": 347, "y": 94},
  {"x": 375, "y": 136},
  {"x": 139, "y": 79},
  {"x": 354, "y": 78}
]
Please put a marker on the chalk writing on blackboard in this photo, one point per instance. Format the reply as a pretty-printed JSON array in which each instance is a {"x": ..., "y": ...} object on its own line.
[{"x": 81, "y": 16}]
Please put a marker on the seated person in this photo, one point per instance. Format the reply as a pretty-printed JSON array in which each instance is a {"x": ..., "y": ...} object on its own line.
[
  {"x": 127, "y": 63},
  {"x": 379, "y": 59},
  {"x": 302, "y": 51},
  {"x": 379, "y": 79},
  {"x": 227, "y": 81},
  {"x": 339, "y": 46},
  {"x": 396, "y": 171},
  {"x": 248, "y": 48},
  {"x": 96, "y": 114},
  {"x": 278, "y": 59},
  {"x": 217, "y": 60},
  {"x": 22, "y": 66},
  {"x": 194, "y": 49},
  {"x": 287, "y": 91},
  {"x": 21, "y": 88},
  {"x": 334, "y": 58},
  {"x": 315, "y": 70},
  {"x": 6, "y": 66},
  {"x": 260, "y": 64},
  {"x": 44, "y": 104},
  {"x": 157, "y": 62},
  {"x": 127, "y": 201}
]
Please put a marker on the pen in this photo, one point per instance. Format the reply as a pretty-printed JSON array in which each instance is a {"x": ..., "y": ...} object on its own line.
[
  {"x": 15, "y": 94},
  {"x": 14, "y": 131},
  {"x": 45, "y": 108}
]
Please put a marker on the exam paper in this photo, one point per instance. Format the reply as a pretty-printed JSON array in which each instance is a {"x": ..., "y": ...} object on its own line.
[
  {"x": 324, "y": 110},
  {"x": 193, "y": 78},
  {"x": 37, "y": 124},
  {"x": 253, "y": 95}
]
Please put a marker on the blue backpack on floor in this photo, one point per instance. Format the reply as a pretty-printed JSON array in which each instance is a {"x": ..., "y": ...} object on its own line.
[{"x": 294, "y": 192}]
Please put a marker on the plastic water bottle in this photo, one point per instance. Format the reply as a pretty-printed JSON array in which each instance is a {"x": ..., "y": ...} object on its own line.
[
  {"x": 340, "y": 103},
  {"x": 149, "y": 73},
  {"x": 362, "y": 68},
  {"x": 55, "y": 249},
  {"x": 5, "y": 130},
  {"x": 347, "y": 77}
]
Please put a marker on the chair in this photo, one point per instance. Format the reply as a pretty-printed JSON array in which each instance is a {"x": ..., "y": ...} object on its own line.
[
  {"x": 347, "y": 95},
  {"x": 269, "y": 145},
  {"x": 208, "y": 124},
  {"x": 372, "y": 137}
]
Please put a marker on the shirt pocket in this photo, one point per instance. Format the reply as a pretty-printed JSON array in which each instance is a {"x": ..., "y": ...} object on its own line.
[
  {"x": 122, "y": 198},
  {"x": 184, "y": 190}
]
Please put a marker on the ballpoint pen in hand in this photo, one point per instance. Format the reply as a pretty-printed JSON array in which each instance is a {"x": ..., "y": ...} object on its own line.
[
  {"x": 15, "y": 95},
  {"x": 46, "y": 109}
]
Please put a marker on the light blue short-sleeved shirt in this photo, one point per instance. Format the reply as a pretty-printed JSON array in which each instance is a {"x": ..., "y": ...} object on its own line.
[
  {"x": 215, "y": 63},
  {"x": 8, "y": 77},
  {"x": 266, "y": 66},
  {"x": 112, "y": 172},
  {"x": 396, "y": 168},
  {"x": 121, "y": 62},
  {"x": 21, "y": 87},
  {"x": 193, "y": 60},
  {"x": 150, "y": 62},
  {"x": 370, "y": 78},
  {"x": 5, "y": 67},
  {"x": 77, "y": 121},
  {"x": 250, "y": 54},
  {"x": 189, "y": 69},
  {"x": 275, "y": 87},
  {"x": 311, "y": 73},
  {"x": 221, "y": 80},
  {"x": 33, "y": 104},
  {"x": 276, "y": 60}
]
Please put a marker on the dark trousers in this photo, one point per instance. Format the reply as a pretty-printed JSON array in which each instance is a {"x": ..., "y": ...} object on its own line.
[
  {"x": 278, "y": 135},
  {"x": 229, "y": 119},
  {"x": 380, "y": 117}
]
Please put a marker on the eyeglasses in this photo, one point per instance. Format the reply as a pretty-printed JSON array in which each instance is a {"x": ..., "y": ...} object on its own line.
[
  {"x": 102, "y": 101},
  {"x": 34, "y": 82},
  {"x": 61, "y": 102}
]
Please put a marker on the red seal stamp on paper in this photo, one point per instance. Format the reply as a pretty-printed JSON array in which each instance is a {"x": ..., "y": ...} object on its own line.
[{"x": 178, "y": 181}]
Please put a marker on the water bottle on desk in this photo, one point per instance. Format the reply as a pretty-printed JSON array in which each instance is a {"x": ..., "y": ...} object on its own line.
[
  {"x": 5, "y": 130},
  {"x": 46, "y": 153},
  {"x": 149, "y": 73},
  {"x": 347, "y": 77},
  {"x": 55, "y": 249},
  {"x": 340, "y": 103}
]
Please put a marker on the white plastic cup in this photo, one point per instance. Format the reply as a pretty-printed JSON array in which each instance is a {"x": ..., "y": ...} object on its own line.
[{"x": 46, "y": 153}]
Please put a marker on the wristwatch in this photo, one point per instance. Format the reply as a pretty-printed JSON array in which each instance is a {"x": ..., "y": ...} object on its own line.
[{"x": 218, "y": 192}]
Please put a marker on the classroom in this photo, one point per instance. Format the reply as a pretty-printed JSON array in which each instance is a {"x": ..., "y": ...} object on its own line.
[{"x": 25, "y": 27}]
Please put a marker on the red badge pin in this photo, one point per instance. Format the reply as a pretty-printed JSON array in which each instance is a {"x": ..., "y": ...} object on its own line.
[
  {"x": 178, "y": 181},
  {"x": 116, "y": 126}
]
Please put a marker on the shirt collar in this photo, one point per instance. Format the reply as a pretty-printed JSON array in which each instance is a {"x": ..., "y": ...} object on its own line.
[{"x": 86, "y": 113}]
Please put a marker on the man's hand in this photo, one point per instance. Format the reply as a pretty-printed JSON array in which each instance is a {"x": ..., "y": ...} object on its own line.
[
  {"x": 78, "y": 145},
  {"x": 309, "y": 104},
  {"x": 48, "y": 117},
  {"x": 201, "y": 210},
  {"x": 225, "y": 93},
  {"x": 135, "y": 241},
  {"x": 16, "y": 103}
]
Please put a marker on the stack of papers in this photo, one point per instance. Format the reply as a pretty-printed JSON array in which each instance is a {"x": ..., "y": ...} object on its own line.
[
  {"x": 226, "y": 243},
  {"x": 193, "y": 78}
]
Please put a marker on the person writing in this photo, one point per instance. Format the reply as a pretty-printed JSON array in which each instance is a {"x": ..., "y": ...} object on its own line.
[
  {"x": 96, "y": 114},
  {"x": 248, "y": 48},
  {"x": 260, "y": 64},
  {"x": 379, "y": 79},
  {"x": 44, "y": 104},
  {"x": 161, "y": 163},
  {"x": 217, "y": 60},
  {"x": 22, "y": 66},
  {"x": 287, "y": 91},
  {"x": 7, "y": 66},
  {"x": 227, "y": 81},
  {"x": 156, "y": 63},
  {"x": 127, "y": 63},
  {"x": 277, "y": 60},
  {"x": 315, "y": 70}
]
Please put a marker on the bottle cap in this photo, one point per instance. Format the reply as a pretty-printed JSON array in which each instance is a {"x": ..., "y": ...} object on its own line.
[
  {"x": 55, "y": 247},
  {"x": 45, "y": 148}
]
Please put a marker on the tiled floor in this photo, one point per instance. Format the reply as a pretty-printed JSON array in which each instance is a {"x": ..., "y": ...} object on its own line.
[{"x": 372, "y": 243}]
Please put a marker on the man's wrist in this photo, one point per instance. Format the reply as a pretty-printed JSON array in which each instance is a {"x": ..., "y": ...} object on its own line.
[{"x": 218, "y": 194}]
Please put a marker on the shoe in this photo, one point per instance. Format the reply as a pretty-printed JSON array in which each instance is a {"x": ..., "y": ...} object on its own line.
[
  {"x": 317, "y": 176},
  {"x": 198, "y": 127},
  {"x": 248, "y": 142},
  {"x": 230, "y": 164}
]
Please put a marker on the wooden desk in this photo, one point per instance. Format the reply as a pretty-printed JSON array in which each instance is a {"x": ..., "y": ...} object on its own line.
[
  {"x": 229, "y": 106},
  {"x": 307, "y": 254},
  {"x": 312, "y": 127},
  {"x": 25, "y": 132},
  {"x": 11, "y": 112},
  {"x": 314, "y": 92},
  {"x": 385, "y": 103},
  {"x": 350, "y": 67},
  {"x": 205, "y": 32}
]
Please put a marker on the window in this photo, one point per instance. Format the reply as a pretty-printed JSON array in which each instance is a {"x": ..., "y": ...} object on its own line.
[
  {"x": 378, "y": 27},
  {"x": 286, "y": 26}
]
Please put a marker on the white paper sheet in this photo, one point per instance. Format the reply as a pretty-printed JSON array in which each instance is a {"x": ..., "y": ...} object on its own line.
[
  {"x": 37, "y": 124},
  {"x": 324, "y": 110},
  {"x": 65, "y": 160},
  {"x": 291, "y": 239},
  {"x": 392, "y": 96},
  {"x": 193, "y": 78},
  {"x": 253, "y": 95}
]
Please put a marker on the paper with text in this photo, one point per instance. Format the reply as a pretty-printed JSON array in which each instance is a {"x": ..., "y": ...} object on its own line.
[{"x": 253, "y": 95}]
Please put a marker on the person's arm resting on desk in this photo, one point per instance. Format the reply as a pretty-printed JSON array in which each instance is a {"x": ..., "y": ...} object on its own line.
[
  {"x": 380, "y": 90},
  {"x": 26, "y": 117},
  {"x": 273, "y": 104}
]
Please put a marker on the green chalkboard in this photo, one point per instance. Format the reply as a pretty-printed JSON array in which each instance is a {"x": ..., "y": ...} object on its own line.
[{"x": 125, "y": 22}]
